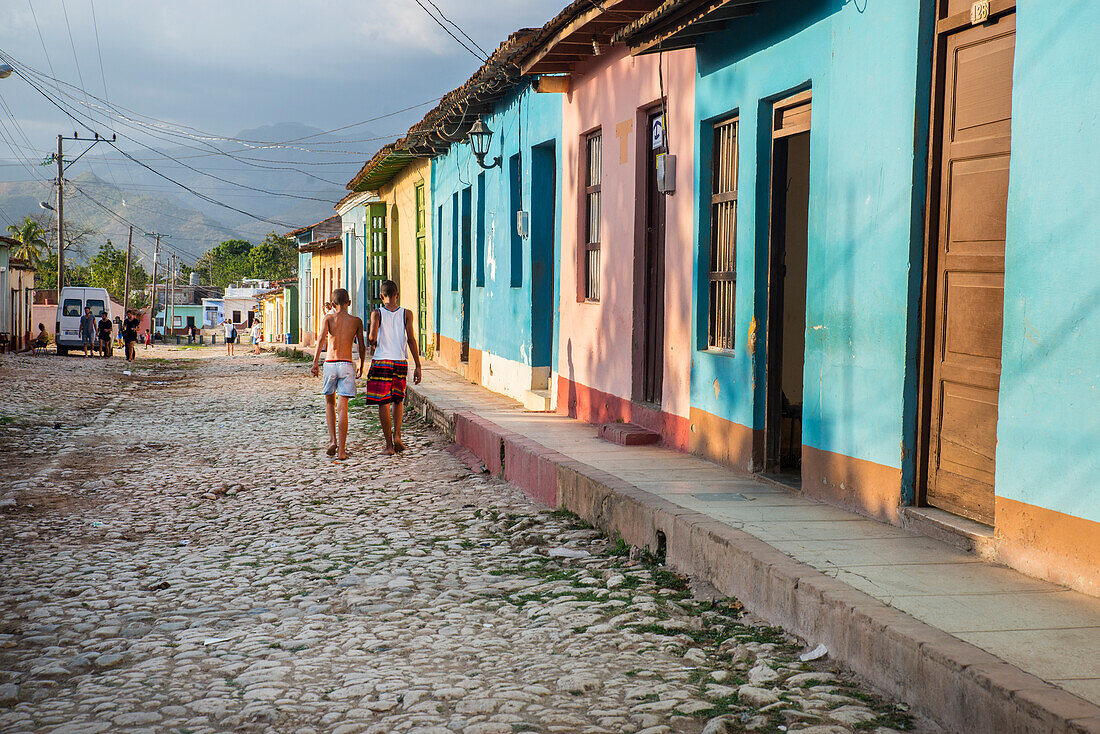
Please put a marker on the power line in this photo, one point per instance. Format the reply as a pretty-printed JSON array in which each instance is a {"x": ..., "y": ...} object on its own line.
[
  {"x": 72, "y": 115},
  {"x": 466, "y": 35},
  {"x": 480, "y": 57}
]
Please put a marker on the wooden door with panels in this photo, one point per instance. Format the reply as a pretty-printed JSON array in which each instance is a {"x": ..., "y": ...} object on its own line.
[{"x": 966, "y": 266}]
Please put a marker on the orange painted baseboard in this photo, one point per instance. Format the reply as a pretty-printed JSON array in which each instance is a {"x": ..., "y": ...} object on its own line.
[
  {"x": 855, "y": 484},
  {"x": 722, "y": 441},
  {"x": 1048, "y": 544},
  {"x": 449, "y": 355}
]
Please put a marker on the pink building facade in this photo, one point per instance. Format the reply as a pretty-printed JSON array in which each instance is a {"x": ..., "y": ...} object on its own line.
[{"x": 627, "y": 248}]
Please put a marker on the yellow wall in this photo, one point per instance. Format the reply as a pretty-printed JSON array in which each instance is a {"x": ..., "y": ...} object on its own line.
[{"x": 400, "y": 198}]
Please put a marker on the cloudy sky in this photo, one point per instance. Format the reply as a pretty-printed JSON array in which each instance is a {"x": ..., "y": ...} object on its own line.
[{"x": 227, "y": 65}]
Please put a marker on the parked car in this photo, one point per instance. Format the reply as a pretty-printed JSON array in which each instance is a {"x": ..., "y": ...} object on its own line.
[{"x": 69, "y": 310}]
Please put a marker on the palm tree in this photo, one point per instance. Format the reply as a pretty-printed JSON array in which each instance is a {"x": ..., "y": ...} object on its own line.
[{"x": 32, "y": 240}]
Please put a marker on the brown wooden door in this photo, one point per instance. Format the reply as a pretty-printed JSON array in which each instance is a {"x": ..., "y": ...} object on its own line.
[
  {"x": 653, "y": 296},
  {"x": 970, "y": 261}
]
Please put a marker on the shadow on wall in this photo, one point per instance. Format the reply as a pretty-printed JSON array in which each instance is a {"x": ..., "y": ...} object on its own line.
[{"x": 774, "y": 22}]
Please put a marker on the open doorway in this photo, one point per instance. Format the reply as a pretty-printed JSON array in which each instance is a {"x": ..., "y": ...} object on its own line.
[{"x": 790, "y": 197}]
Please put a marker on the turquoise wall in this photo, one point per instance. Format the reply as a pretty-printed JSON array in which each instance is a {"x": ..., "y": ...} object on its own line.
[
  {"x": 305, "y": 263},
  {"x": 1048, "y": 429},
  {"x": 867, "y": 64},
  {"x": 500, "y": 313},
  {"x": 355, "y": 264}
]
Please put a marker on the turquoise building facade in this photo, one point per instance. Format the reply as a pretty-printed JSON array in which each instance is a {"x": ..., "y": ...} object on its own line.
[
  {"x": 924, "y": 185},
  {"x": 497, "y": 239}
]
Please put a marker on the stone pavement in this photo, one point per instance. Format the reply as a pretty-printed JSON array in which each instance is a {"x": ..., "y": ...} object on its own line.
[
  {"x": 179, "y": 555},
  {"x": 1043, "y": 631}
]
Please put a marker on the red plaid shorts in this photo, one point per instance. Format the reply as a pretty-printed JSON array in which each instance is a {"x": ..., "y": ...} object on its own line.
[{"x": 386, "y": 381}]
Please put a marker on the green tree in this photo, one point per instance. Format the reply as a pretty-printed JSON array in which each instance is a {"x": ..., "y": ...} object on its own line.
[
  {"x": 46, "y": 277},
  {"x": 108, "y": 270},
  {"x": 225, "y": 264},
  {"x": 275, "y": 258},
  {"x": 32, "y": 241}
]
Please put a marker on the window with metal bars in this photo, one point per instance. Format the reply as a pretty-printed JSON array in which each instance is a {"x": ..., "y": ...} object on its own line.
[
  {"x": 593, "y": 176},
  {"x": 723, "y": 236}
]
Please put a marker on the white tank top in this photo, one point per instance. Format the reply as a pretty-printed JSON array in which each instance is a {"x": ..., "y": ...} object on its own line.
[{"x": 392, "y": 340}]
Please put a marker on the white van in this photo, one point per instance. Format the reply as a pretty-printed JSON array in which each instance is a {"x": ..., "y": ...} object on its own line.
[{"x": 69, "y": 310}]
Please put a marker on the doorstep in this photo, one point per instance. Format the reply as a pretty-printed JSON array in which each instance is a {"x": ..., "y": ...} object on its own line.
[{"x": 975, "y": 646}]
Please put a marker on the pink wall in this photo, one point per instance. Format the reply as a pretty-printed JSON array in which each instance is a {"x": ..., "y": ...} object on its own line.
[{"x": 614, "y": 92}]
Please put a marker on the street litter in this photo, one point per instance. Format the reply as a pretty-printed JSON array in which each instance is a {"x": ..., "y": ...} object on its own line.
[
  {"x": 96, "y": 523},
  {"x": 568, "y": 553},
  {"x": 818, "y": 652},
  {"x": 215, "y": 640}
]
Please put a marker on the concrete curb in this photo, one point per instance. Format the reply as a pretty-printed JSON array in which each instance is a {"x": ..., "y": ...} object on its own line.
[{"x": 958, "y": 685}]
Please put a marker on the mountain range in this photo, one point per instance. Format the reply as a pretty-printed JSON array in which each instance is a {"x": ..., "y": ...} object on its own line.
[{"x": 270, "y": 187}]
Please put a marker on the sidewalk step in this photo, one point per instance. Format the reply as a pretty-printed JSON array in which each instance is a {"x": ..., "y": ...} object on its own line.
[
  {"x": 537, "y": 401},
  {"x": 628, "y": 434},
  {"x": 964, "y": 534}
]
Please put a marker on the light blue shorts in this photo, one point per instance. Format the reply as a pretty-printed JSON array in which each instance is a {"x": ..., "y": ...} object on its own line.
[{"x": 339, "y": 378}]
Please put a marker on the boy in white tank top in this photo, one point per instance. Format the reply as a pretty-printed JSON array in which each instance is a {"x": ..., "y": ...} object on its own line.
[{"x": 392, "y": 337}]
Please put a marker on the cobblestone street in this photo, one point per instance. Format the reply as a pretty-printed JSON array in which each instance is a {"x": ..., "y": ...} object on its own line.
[{"x": 180, "y": 555}]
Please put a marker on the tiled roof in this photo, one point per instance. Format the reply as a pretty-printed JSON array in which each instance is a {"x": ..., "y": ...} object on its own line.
[
  {"x": 452, "y": 118},
  {"x": 328, "y": 243},
  {"x": 321, "y": 230}
]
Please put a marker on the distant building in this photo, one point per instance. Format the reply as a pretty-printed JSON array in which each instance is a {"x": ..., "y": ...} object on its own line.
[
  {"x": 15, "y": 309},
  {"x": 320, "y": 265},
  {"x": 241, "y": 301},
  {"x": 279, "y": 310},
  {"x": 184, "y": 305}
]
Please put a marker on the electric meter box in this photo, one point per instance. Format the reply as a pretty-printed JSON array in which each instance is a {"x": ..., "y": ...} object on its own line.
[
  {"x": 523, "y": 223},
  {"x": 666, "y": 173}
]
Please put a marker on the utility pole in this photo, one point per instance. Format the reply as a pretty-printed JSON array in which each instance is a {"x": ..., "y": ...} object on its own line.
[
  {"x": 156, "y": 256},
  {"x": 59, "y": 159},
  {"x": 60, "y": 219},
  {"x": 172, "y": 294},
  {"x": 126, "y": 287}
]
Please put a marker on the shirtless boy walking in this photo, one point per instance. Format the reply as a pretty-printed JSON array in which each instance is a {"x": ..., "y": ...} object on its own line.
[
  {"x": 392, "y": 336},
  {"x": 338, "y": 331}
]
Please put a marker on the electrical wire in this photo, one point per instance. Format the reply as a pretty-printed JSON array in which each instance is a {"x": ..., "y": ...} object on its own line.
[
  {"x": 455, "y": 25},
  {"x": 476, "y": 55},
  {"x": 73, "y": 115}
]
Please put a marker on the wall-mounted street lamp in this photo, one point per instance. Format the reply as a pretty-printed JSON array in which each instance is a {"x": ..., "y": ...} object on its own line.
[{"x": 480, "y": 137}]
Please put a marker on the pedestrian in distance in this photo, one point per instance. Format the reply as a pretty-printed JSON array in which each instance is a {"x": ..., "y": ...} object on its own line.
[
  {"x": 147, "y": 337},
  {"x": 129, "y": 334},
  {"x": 42, "y": 340},
  {"x": 87, "y": 330},
  {"x": 391, "y": 336},
  {"x": 230, "y": 336},
  {"x": 257, "y": 336},
  {"x": 105, "y": 329},
  {"x": 339, "y": 330}
]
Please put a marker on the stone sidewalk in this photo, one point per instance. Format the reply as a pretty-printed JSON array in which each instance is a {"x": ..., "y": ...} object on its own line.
[{"x": 978, "y": 647}]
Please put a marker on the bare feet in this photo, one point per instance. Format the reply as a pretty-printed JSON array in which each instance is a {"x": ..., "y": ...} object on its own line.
[
  {"x": 388, "y": 451},
  {"x": 331, "y": 449},
  {"x": 398, "y": 445},
  {"x": 343, "y": 456}
]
